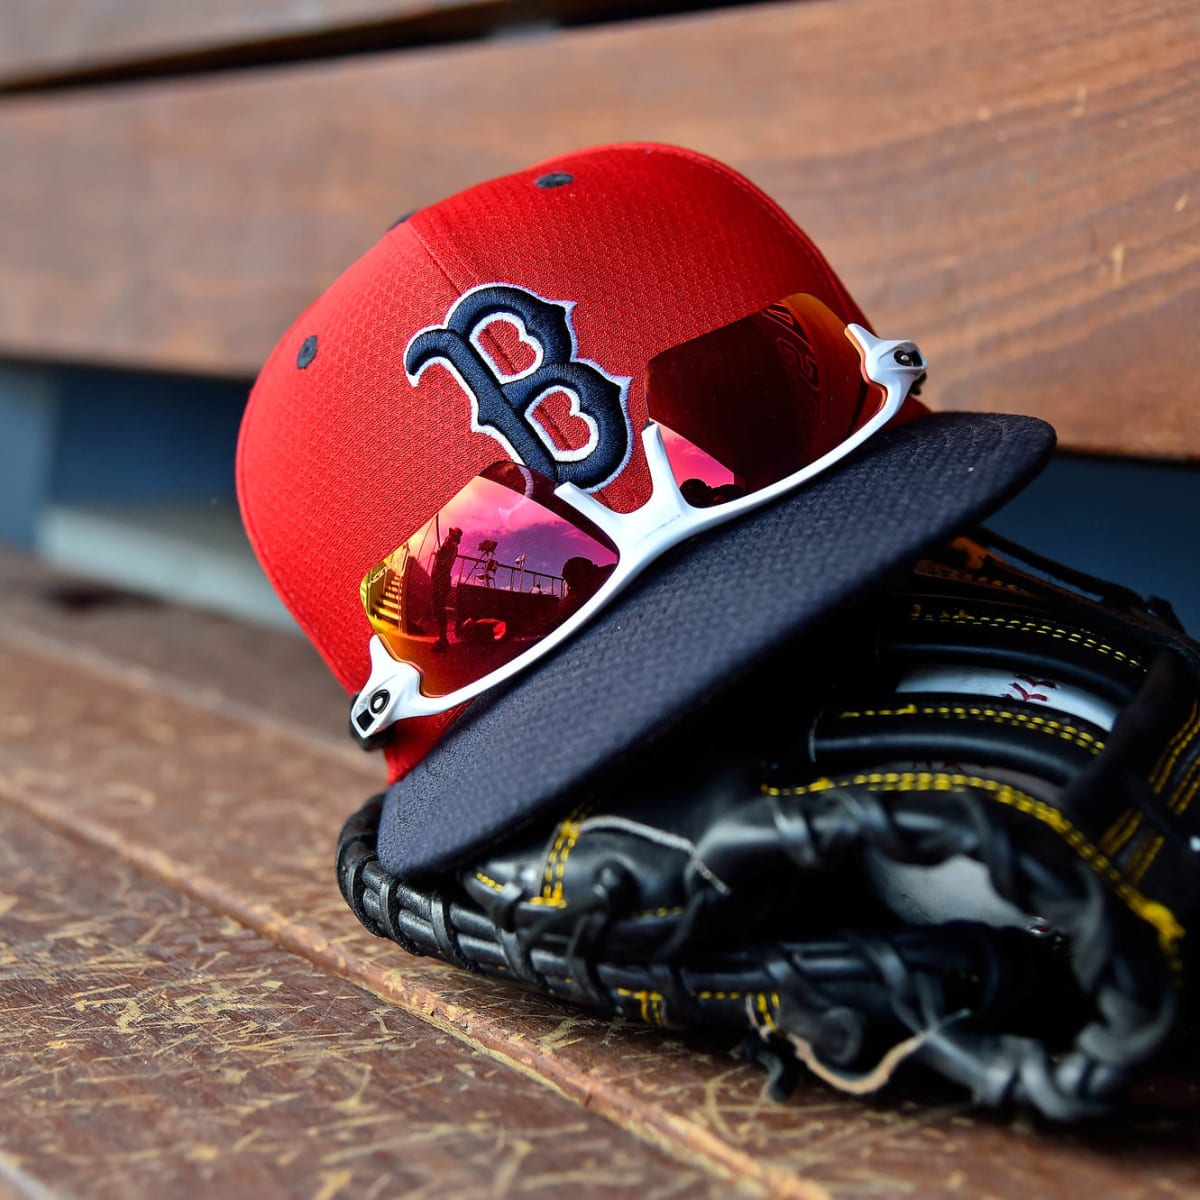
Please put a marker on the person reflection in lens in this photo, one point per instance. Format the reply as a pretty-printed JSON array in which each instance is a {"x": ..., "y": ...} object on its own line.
[
  {"x": 583, "y": 579},
  {"x": 443, "y": 564},
  {"x": 700, "y": 495}
]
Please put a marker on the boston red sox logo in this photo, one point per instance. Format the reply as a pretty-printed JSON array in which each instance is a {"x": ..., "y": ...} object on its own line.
[{"x": 506, "y": 405}]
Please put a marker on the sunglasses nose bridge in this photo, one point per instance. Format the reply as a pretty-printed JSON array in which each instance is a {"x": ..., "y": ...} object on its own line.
[{"x": 649, "y": 524}]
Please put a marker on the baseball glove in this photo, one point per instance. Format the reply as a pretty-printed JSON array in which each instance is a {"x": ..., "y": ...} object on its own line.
[{"x": 958, "y": 827}]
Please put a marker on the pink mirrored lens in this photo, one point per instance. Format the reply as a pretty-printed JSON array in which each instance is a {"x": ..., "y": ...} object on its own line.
[
  {"x": 756, "y": 401},
  {"x": 494, "y": 571}
]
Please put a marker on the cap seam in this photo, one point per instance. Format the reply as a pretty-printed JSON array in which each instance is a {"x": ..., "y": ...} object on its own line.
[
  {"x": 456, "y": 286},
  {"x": 437, "y": 262}
]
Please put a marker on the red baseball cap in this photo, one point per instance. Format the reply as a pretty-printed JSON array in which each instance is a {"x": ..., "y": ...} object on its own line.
[{"x": 345, "y": 450}]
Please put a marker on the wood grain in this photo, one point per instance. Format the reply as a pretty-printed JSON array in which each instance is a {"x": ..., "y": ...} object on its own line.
[
  {"x": 1016, "y": 185},
  {"x": 75, "y": 42},
  {"x": 241, "y": 817},
  {"x": 150, "y": 1046},
  {"x": 40, "y": 41},
  {"x": 247, "y": 672}
]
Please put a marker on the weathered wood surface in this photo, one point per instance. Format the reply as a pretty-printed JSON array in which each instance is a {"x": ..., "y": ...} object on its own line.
[
  {"x": 238, "y": 815},
  {"x": 1016, "y": 185},
  {"x": 40, "y": 41},
  {"x": 151, "y": 1046},
  {"x": 73, "y": 41},
  {"x": 241, "y": 670}
]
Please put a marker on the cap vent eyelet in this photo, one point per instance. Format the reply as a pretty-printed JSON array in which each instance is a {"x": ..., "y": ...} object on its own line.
[
  {"x": 308, "y": 351},
  {"x": 555, "y": 179}
]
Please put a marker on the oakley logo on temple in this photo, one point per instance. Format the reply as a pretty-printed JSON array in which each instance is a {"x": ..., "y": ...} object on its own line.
[{"x": 511, "y": 406}]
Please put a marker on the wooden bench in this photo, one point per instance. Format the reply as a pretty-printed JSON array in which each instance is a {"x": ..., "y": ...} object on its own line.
[{"x": 187, "y": 1004}]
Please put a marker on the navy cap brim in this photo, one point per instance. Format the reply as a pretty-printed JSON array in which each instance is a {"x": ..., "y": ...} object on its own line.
[{"x": 697, "y": 621}]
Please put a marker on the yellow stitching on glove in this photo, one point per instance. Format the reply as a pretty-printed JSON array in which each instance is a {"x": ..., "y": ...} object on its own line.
[
  {"x": 650, "y": 1002},
  {"x": 1078, "y": 737},
  {"x": 1144, "y": 858},
  {"x": 1168, "y": 758},
  {"x": 547, "y": 895},
  {"x": 1181, "y": 797},
  {"x": 1128, "y": 823},
  {"x": 936, "y": 570},
  {"x": 1170, "y": 931},
  {"x": 962, "y": 617},
  {"x": 766, "y": 1012},
  {"x": 556, "y": 861},
  {"x": 1191, "y": 782},
  {"x": 1120, "y": 831}
]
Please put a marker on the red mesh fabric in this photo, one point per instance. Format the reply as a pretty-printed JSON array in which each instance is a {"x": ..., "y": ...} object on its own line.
[{"x": 341, "y": 460}]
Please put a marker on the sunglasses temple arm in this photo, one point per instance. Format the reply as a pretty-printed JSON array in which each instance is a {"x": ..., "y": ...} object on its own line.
[
  {"x": 392, "y": 691},
  {"x": 894, "y": 365}
]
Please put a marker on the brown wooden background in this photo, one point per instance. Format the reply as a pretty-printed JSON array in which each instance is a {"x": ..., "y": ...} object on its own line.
[
  {"x": 1016, "y": 185},
  {"x": 186, "y": 1006}
]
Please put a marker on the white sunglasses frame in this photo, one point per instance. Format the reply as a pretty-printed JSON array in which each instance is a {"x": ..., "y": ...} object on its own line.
[{"x": 393, "y": 691}]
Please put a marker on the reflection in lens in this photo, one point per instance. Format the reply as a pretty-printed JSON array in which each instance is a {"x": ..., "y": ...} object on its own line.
[
  {"x": 495, "y": 570},
  {"x": 756, "y": 401}
]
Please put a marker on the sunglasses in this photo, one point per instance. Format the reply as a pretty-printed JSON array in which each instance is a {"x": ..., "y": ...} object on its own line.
[{"x": 515, "y": 564}]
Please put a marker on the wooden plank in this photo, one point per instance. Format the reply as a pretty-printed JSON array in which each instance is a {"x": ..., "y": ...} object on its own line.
[
  {"x": 40, "y": 41},
  {"x": 150, "y": 1046},
  {"x": 76, "y": 41},
  {"x": 1018, "y": 186},
  {"x": 243, "y": 816},
  {"x": 244, "y": 671},
  {"x": 13, "y": 1186}
]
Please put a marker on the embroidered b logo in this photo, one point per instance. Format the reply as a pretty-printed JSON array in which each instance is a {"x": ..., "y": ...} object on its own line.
[{"x": 506, "y": 406}]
